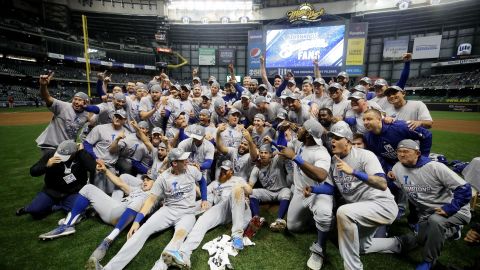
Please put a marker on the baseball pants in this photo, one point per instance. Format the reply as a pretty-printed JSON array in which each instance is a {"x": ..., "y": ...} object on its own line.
[
  {"x": 265, "y": 195},
  {"x": 302, "y": 208},
  {"x": 107, "y": 208},
  {"x": 357, "y": 223},
  {"x": 235, "y": 210},
  {"x": 165, "y": 217},
  {"x": 107, "y": 186}
]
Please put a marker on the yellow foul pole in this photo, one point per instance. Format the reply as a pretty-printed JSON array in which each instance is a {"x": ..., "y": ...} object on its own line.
[{"x": 86, "y": 55}]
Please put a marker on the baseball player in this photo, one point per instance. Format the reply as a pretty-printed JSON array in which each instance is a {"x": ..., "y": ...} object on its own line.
[
  {"x": 368, "y": 84},
  {"x": 415, "y": 112},
  {"x": 298, "y": 111},
  {"x": 117, "y": 213},
  {"x": 219, "y": 115},
  {"x": 359, "y": 105},
  {"x": 268, "y": 109},
  {"x": 180, "y": 122},
  {"x": 360, "y": 179},
  {"x": 67, "y": 120},
  {"x": 320, "y": 97},
  {"x": 102, "y": 144},
  {"x": 134, "y": 157},
  {"x": 66, "y": 171},
  {"x": 176, "y": 187},
  {"x": 152, "y": 107},
  {"x": 340, "y": 104},
  {"x": 272, "y": 175},
  {"x": 246, "y": 107},
  {"x": 229, "y": 205},
  {"x": 242, "y": 157},
  {"x": 311, "y": 166},
  {"x": 343, "y": 78},
  {"x": 440, "y": 196},
  {"x": 231, "y": 136},
  {"x": 260, "y": 130},
  {"x": 140, "y": 91},
  {"x": 183, "y": 104}
]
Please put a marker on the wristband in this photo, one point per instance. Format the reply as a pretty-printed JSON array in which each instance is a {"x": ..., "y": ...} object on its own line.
[
  {"x": 299, "y": 160},
  {"x": 362, "y": 176},
  {"x": 139, "y": 217}
]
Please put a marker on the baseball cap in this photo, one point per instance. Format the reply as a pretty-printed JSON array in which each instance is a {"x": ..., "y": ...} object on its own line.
[
  {"x": 409, "y": 144},
  {"x": 207, "y": 95},
  {"x": 140, "y": 85},
  {"x": 162, "y": 145},
  {"x": 142, "y": 124},
  {"x": 393, "y": 90},
  {"x": 219, "y": 102},
  {"x": 196, "y": 132},
  {"x": 255, "y": 81},
  {"x": 121, "y": 113},
  {"x": 265, "y": 148},
  {"x": 357, "y": 95},
  {"x": 334, "y": 86},
  {"x": 366, "y": 80},
  {"x": 292, "y": 81},
  {"x": 285, "y": 93},
  {"x": 177, "y": 114},
  {"x": 212, "y": 79},
  {"x": 307, "y": 81},
  {"x": 186, "y": 87},
  {"x": 294, "y": 96},
  {"x": 259, "y": 100},
  {"x": 120, "y": 96},
  {"x": 196, "y": 79},
  {"x": 157, "y": 130},
  {"x": 359, "y": 88},
  {"x": 227, "y": 165},
  {"x": 216, "y": 84},
  {"x": 175, "y": 86},
  {"x": 282, "y": 114},
  {"x": 177, "y": 154},
  {"x": 205, "y": 111},
  {"x": 307, "y": 78},
  {"x": 246, "y": 94},
  {"x": 278, "y": 76},
  {"x": 156, "y": 88},
  {"x": 341, "y": 129},
  {"x": 65, "y": 150},
  {"x": 314, "y": 128},
  {"x": 343, "y": 74},
  {"x": 233, "y": 110},
  {"x": 262, "y": 86},
  {"x": 148, "y": 176},
  {"x": 319, "y": 81},
  {"x": 259, "y": 116},
  {"x": 380, "y": 82},
  {"x": 81, "y": 95}
]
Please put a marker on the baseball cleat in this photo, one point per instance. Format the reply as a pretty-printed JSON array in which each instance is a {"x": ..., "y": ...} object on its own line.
[
  {"x": 253, "y": 226},
  {"x": 173, "y": 258},
  {"x": 80, "y": 218},
  {"x": 101, "y": 250},
  {"x": 279, "y": 225},
  {"x": 60, "y": 231},
  {"x": 20, "y": 211},
  {"x": 93, "y": 264},
  {"x": 315, "y": 262},
  {"x": 458, "y": 234},
  {"x": 237, "y": 242}
]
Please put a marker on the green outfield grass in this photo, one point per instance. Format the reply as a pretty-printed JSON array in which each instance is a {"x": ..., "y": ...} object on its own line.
[
  {"x": 474, "y": 116},
  {"x": 24, "y": 109},
  {"x": 21, "y": 249}
]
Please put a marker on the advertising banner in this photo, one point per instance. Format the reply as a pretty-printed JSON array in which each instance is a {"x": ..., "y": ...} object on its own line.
[
  {"x": 255, "y": 50},
  {"x": 394, "y": 49},
  {"x": 206, "y": 57},
  {"x": 426, "y": 47},
  {"x": 226, "y": 56}
]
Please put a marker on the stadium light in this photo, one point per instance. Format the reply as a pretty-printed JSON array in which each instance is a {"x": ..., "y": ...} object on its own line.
[{"x": 210, "y": 5}]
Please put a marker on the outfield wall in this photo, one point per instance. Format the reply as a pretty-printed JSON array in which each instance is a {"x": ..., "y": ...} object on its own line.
[{"x": 457, "y": 107}]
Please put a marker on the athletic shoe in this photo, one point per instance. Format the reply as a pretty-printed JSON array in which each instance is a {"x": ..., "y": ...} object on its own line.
[
  {"x": 414, "y": 228},
  {"x": 101, "y": 250},
  {"x": 60, "y": 231},
  {"x": 253, "y": 226},
  {"x": 315, "y": 262},
  {"x": 93, "y": 264},
  {"x": 80, "y": 218},
  {"x": 173, "y": 258},
  {"x": 237, "y": 242},
  {"x": 458, "y": 234},
  {"x": 279, "y": 225},
  {"x": 20, "y": 211},
  {"x": 424, "y": 266}
]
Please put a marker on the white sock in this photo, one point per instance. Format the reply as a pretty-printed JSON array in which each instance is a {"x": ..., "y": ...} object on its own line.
[{"x": 113, "y": 234}]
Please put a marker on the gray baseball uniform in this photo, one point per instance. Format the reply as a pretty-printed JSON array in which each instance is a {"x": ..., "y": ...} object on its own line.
[
  {"x": 412, "y": 110},
  {"x": 231, "y": 137},
  {"x": 320, "y": 205},
  {"x": 323, "y": 102},
  {"x": 341, "y": 108},
  {"x": 258, "y": 137},
  {"x": 65, "y": 125},
  {"x": 242, "y": 164},
  {"x": 198, "y": 154},
  {"x": 146, "y": 105},
  {"x": 359, "y": 127},
  {"x": 229, "y": 206},
  {"x": 383, "y": 102},
  {"x": 177, "y": 105},
  {"x": 249, "y": 112},
  {"x": 366, "y": 208},
  {"x": 178, "y": 194}
]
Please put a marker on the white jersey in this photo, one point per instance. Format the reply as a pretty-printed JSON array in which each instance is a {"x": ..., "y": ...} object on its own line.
[
  {"x": 359, "y": 127},
  {"x": 177, "y": 191},
  {"x": 341, "y": 108},
  {"x": 177, "y": 105},
  {"x": 429, "y": 186},
  {"x": 146, "y": 105},
  {"x": 135, "y": 110},
  {"x": 383, "y": 102},
  {"x": 231, "y": 137},
  {"x": 101, "y": 137},
  {"x": 221, "y": 191},
  {"x": 156, "y": 165},
  {"x": 258, "y": 137},
  {"x": 271, "y": 112},
  {"x": 198, "y": 154},
  {"x": 316, "y": 155},
  {"x": 353, "y": 189},
  {"x": 273, "y": 177},
  {"x": 133, "y": 148},
  {"x": 324, "y": 101},
  {"x": 65, "y": 124},
  {"x": 248, "y": 112},
  {"x": 412, "y": 110},
  {"x": 242, "y": 165}
]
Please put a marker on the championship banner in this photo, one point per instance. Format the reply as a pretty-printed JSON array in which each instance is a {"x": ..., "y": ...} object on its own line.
[
  {"x": 394, "y": 49},
  {"x": 206, "y": 57},
  {"x": 226, "y": 56},
  {"x": 357, "y": 38},
  {"x": 255, "y": 50},
  {"x": 426, "y": 47}
]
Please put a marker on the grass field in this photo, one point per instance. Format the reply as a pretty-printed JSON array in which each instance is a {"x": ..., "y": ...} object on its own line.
[{"x": 21, "y": 249}]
